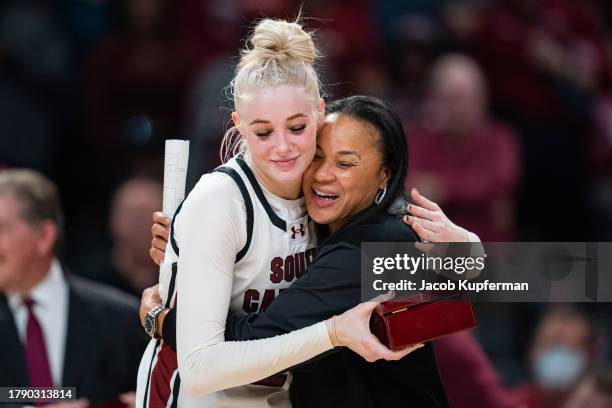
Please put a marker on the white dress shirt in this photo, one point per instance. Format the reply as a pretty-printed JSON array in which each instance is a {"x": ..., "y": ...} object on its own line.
[{"x": 51, "y": 309}]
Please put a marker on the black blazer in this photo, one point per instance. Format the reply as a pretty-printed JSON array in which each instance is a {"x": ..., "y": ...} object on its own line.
[
  {"x": 104, "y": 343},
  {"x": 331, "y": 286}
]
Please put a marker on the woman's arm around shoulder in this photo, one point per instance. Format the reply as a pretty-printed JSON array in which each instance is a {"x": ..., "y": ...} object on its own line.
[{"x": 209, "y": 229}]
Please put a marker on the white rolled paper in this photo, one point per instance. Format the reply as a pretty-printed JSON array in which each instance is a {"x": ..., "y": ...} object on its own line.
[{"x": 175, "y": 174}]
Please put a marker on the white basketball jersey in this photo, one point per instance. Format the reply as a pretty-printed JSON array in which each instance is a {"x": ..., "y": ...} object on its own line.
[{"x": 279, "y": 245}]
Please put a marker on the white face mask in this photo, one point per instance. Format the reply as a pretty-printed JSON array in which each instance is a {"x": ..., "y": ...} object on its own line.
[{"x": 559, "y": 368}]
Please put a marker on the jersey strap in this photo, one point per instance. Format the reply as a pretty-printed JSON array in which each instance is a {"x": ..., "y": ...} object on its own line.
[
  {"x": 274, "y": 218},
  {"x": 172, "y": 284},
  {"x": 247, "y": 203},
  {"x": 172, "y": 240}
]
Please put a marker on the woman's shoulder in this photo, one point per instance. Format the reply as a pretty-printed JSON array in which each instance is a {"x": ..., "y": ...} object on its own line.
[
  {"x": 217, "y": 184},
  {"x": 385, "y": 227},
  {"x": 215, "y": 192},
  {"x": 381, "y": 227},
  {"x": 214, "y": 204}
]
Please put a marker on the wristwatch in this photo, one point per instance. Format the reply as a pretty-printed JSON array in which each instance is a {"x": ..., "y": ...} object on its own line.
[{"x": 150, "y": 321}]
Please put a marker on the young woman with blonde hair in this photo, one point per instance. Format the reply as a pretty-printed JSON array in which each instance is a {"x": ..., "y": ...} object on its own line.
[{"x": 243, "y": 235}]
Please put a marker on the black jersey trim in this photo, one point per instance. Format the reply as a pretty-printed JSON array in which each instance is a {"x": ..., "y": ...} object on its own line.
[
  {"x": 248, "y": 204},
  {"x": 172, "y": 240},
  {"x": 146, "y": 394},
  {"x": 175, "y": 390},
  {"x": 249, "y": 212},
  {"x": 172, "y": 284},
  {"x": 274, "y": 218}
]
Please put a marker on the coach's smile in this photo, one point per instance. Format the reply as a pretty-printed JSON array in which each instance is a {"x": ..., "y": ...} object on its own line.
[{"x": 322, "y": 198}]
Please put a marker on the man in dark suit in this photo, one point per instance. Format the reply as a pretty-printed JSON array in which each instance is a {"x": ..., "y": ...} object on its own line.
[{"x": 57, "y": 330}]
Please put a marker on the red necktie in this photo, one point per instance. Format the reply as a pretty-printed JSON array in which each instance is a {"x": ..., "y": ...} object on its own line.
[{"x": 39, "y": 369}]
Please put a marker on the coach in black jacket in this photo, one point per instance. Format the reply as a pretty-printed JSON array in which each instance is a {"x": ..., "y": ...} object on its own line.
[
  {"x": 357, "y": 175},
  {"x": 331, "y": 286},
  {"x": 57, "y": 330}
]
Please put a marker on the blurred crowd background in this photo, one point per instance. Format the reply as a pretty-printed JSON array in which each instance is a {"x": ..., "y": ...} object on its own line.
[{"x": 507, "y": 106}]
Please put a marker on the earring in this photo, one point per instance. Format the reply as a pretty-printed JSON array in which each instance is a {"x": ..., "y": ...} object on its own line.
[{"x": 380, "y": 195}]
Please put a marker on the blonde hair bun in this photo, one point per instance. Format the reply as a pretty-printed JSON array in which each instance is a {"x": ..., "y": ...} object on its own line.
[
  {"x": 279, "y": 53},
  {"x": 281, "y": 41}
]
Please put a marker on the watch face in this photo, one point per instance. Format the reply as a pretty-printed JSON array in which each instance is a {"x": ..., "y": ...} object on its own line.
[{"x": 148, "y": 326}]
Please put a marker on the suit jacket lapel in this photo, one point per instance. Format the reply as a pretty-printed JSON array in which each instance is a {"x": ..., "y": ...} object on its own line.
[
  {"x": 11, "y": 349},
  {"x": 79, "y": 342}
]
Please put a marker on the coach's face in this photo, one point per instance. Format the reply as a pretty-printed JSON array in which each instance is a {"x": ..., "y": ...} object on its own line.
[
  {"x": 23, "y": 247},
  {"x": 346, "y": 172}
]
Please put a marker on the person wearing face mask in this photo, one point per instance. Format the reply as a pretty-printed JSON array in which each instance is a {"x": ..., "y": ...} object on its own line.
[{"x": 562, "y": 351}]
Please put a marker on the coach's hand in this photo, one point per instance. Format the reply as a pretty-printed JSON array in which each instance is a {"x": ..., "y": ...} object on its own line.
[
  {"x": 430, "y": 223},
  {"x": 352, "y": 329},
  {"x": 160, "y": 231}
]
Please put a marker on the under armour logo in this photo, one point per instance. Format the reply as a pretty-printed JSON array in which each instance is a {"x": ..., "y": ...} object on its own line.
[{"x": 295, "y": 231}]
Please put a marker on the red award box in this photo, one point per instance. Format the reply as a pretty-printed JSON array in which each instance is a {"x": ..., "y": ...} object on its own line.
[{"x": 421, "y": 317}]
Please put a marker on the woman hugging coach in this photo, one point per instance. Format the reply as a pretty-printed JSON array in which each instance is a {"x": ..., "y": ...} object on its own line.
[
  {"x": 350, "y": 188},
  {"x": 356, "y": 177}
]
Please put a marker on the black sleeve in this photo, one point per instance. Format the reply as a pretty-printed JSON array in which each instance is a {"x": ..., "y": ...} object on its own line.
[
  {"x": 330, "y": 287},
  {"x": 168, "y": 331}
]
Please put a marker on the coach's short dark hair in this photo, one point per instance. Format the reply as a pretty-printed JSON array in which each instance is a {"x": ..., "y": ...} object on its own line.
[
  {"x": 391, "y": 144},
  {"x": 37, "y": 198}
]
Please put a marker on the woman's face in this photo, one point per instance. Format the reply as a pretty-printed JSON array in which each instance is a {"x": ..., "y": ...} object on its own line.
[
  {"x": 279, "y": 126},
  {"x": 345, "y": 173}
]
